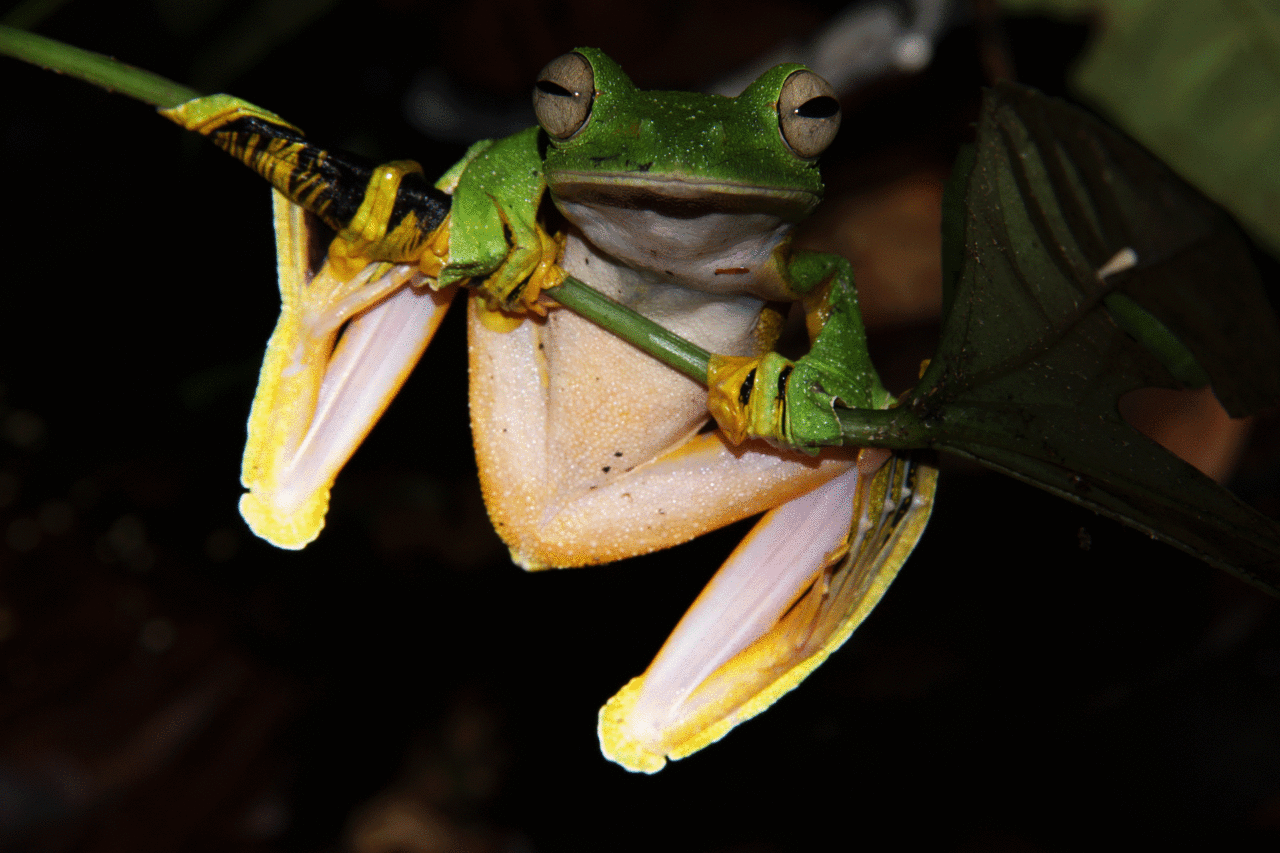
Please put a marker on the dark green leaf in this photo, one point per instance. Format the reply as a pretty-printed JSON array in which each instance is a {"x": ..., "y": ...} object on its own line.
[{"x": 1039, "y": 347}]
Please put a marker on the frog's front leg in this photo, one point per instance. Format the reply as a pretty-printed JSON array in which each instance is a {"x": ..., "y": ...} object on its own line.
[
  {"x": 792, "y": 404},
  {"x": 501, "y": 248}
]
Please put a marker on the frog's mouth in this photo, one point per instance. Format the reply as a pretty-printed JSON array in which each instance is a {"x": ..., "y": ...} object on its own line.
[
  {"x": 687, "y": 231},
  {"x": 681, "y": 197}
]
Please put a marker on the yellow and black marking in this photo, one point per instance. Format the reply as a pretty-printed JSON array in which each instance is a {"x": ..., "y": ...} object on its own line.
[{"x": 381, "y": 213}]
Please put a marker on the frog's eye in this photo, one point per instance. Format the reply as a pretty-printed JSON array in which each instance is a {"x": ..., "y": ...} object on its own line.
[
  {"x": 808, "y": 113},
  {"x": 563, "y": 94}
]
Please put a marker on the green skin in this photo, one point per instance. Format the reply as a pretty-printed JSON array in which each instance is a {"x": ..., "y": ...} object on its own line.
[{"x": 726, "y": 153}]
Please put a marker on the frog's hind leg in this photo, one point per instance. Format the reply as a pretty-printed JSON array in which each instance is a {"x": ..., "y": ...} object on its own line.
[
  {"x": 791, "y": 594},
  {"x": 840, "y": 524},
  {"x": 340, "y": 350}
]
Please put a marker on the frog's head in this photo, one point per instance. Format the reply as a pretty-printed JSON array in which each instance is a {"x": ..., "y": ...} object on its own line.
[
  {"x": 759, "y": 150},
  {"x": 695, "y": 172}
]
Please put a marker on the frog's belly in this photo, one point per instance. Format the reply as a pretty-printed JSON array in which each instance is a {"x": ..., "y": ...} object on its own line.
[
  {"x": 609, "y": 406},
  {"x": 586, "y": 446}
]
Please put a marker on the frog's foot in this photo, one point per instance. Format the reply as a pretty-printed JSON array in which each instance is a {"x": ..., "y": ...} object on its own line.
[
  {"x": 770, "y": 397},
  {"x": 791, "y": 594},
  {"x": 515, "y": 289},
  {"x": 747, "y": 396},
  {"x": 399, "y": 218},
  {"x": 793, "y": 404},
  {"x": 340, "y": 351},
  {"x": 395, "y": 222}
]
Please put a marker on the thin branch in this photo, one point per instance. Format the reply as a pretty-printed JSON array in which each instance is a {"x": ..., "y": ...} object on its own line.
[
  {"x": 668, "y": 347},
  {"x": 102, "y": 71}
]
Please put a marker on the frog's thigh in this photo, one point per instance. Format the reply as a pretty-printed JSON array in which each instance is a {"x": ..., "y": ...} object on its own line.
[{"x": 598, "y": 458}]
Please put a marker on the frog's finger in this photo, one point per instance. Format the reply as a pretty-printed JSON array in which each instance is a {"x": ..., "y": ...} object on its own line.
[
  {"x": 323, "y": 386},
  {"x": 790, "y": 595}
]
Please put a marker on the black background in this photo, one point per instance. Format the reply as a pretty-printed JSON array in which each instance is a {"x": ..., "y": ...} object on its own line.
[{"x": 1037, "y": 679}]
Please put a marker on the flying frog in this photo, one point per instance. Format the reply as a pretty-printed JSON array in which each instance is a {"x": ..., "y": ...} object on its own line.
[{"x": 680, "y": 207}]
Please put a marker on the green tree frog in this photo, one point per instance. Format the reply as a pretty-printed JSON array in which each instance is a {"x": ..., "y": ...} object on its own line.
[{"x": 679, "y": 206}]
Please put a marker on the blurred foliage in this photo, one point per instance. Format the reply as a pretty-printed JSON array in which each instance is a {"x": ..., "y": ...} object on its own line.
[{"x": 1197, "y": 82}]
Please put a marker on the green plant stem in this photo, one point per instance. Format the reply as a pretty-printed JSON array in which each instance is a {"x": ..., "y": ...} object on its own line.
[
  {"x": 898, "y": 428},
  {"x": 668, "y": 347},
  {"x": 102, "y": 71}
]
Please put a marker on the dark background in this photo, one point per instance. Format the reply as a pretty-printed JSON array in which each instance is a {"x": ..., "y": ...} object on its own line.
[{"x": 1037, "y": 679}]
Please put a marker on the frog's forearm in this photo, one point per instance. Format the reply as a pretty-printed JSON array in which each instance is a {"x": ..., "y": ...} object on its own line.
[
  {"x": 498, "y": 242},
  {"x": 796, "y": 404},
  {"x": 838, "y": 357},
  {"x": 863, "y": 426}
]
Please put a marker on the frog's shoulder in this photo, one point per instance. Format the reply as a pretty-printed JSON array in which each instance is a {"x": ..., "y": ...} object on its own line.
[
  {"x": 496, "y": 196},
  {"x": 494, "y": 163}
]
